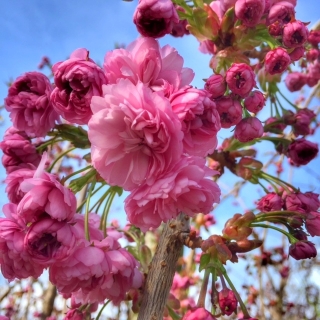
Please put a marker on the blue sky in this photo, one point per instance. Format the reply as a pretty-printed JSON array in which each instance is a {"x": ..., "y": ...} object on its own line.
[{"x": 32, "y": 29}]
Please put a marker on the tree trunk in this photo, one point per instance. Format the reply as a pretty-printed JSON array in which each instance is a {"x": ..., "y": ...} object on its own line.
[{"x": 162, "y": 269}]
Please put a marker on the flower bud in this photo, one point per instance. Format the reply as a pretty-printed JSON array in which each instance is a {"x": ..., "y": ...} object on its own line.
[
  {"x": 302, "y": 151},
  {"x": 227, "y": 301},
  {"x": 295, "y": 34},
  {"x": 277, "y": 61},
  {"x": 216, "y": 86},
  {"x": 230, "y": 111},
  {"x": 295, "y": 81},
  {"x": 249, "y": 11},
  {"x": 302, "y": 250},
  {"x": 255, "y": 101},
  {"x": 248, "y": 129}
]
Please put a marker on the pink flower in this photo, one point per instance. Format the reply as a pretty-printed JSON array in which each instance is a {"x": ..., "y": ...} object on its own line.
[
  {"x": 302, "y": 250},
  {"x": 312, "y": 223},
  {"x": 29, "y": 104},
  {"x": 14, "y": 180},
  {"x": 183, "y": 189},
  {"x": 49, "y": 241},
  {"x": 248, "y": 129},
  {"x": 313, "y": 75},
  {"x": 15, "y": 261},
  {"x": 198, "y": 314},
  {"x": 302, "y": 151},
  {"x": 97, "y": 271},
  {"x": 77, "y": 79},
  {"x": 255, "y": 101},
  {"x": 200, "y": 120},
  {"x": 240, "y": 79},
  {"x": 281, "y": 11},
  {"x": 135, "y": 135},
  {"x": 314, "y": 37},
  {"x": 270, "y": 202},
  {"x": 274, "y": 125},
  {"x": 302, "y": 121},
  {"x": 297, "y": 53},
  {"x": 225, "y": 5},
  {"x": 249, "y": 11},
  {"x": 302, "y": 202},
  {"x": 75, "y": 314},
  {"x": 295, "y": 81},
  {"x": 44, "y": 193},
  {"x": 216, "y": 86},
  {"x": 155, "y": 18},
  {"x": 312, "y": 54},
  {"x": 144, "y": 60},
  {"x": 277, "y": 61},
  {"x": 227, "y": 301},
  {"x": 230, "y": 111},
  {"x": 18, "y": 151},
  {"x": 179, "y": 29},
  {"x": 295, "y": 34}
]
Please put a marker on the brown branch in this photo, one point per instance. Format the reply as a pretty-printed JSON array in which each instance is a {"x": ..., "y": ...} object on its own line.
[
  {"x": 162, "y": 269},
  {"x": 48, "y": 300}
]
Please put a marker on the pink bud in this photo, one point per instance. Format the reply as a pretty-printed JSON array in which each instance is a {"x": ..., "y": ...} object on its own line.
[
  {"x": 249, "y": 11},
  {"x": 314, "y": 37},
  {"x": 277, "y": 61},
  {"x": 248, "y": 129},
  {"x": 227, "y": 301},
  {"x": 312, "y": 54},
  {"x": 255, "y": 101},
  {"x": 295, "y": 81},
  {"x": 302, "y": 250},
  {"x": 302, "y": 151},
  {"x": 240, "y": 79},
  {"x": 216, "y": 86},
  {"x": 295, "y": 34},
  {"x": 230, "y": 111},
  {"x": 270, "y": 202},
  {"x": 297, "y": 53}
]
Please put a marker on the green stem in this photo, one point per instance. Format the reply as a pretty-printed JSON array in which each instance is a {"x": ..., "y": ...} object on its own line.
[
  {"x": 291, "y": 238},
  {"x": 284, "y": 184},
  {"x": 59, "y": 157},
  {"x": 84, "y": 201},
  {"x": 172, "y": 313},
  {"x": 103, "y": 223},
  {"x": 100, "y": 312},
  {"x": 48, "y": 143},
  {"x": 203, "y": 291},
  {"x": 75, "y": 173},
  {"x": 263, "y": 187},
  {"x": 86, "y": 216},
  {"x": 287, "y": 100},
  {"x": 100, "y": 201}
]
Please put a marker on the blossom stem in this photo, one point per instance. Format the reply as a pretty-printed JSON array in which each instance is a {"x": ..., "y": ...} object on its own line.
[
  {"x": 203, "y": 291},
  {"x": 104, "y": 217},
  {"x": 101, "y": 310},
  {"x": 291, "y": 238},
  {"x": 84, "y": 201},
  {"x": 86, "y": 216},
  {"x": 48, "y": 143},
  {"x": 75, "y": 173},
  {"x": 282, "y": 183},
  {"x": 281, "y": 94},
  {"x": 59, "y": 157}
]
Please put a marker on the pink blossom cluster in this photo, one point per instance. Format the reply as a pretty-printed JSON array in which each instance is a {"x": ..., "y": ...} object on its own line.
[
  {"x": 42, "y": 230},
  {"x": 150, "y": 131},
  {"x": 306, "y": 206}
]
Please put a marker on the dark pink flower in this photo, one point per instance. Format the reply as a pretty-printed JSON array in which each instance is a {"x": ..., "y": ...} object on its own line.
[
  {"x": 14, "y": 180},
  {"x": 227, "y": 301},
  {"x": 77, "y": 79},
  {"x": 297, "y": 53},
  {"x": 225, "y": 5},
  {"x": 200, "y": 120},
  {"x": 312, "y": 223},
  {"x": 249, "y": 11},
  {"x": 198, "y": 314},
  {"x": 281, "y": 11},
  {"x": 270, "y": 202},
  {"x": 134, "y": 133},
  {"x": 230, "y": 111},
  {"x": 277, "y": 61},
  {"x": 313, "y": 75},
  {"x": 44, "y": 193},
  {"x": 75, "y": 314},
  {"x": 216, "y": 86},
  {"x": 274, "y": 125},
  {"x": 155, "y": 18},
  {"x": 312, "y": 54},
  {"x": 255, "y": 101},
  {"x": 302, "y": 250},
  {"x": 28, "y": 102},
  {"x": 275, "y": 29},
  {"x": 295, "y": 34},
  {"x": 301, "y": 202},
  {"x": 49, "y": 241},
  {"x": 183, "y": 189},
  {"x": 248, "y": 129},
  {"x": 302, "y": 151},
  {"x": 179, "y": 29},
  {"x": 302, "y": 121},
  {"x": 18, "y": 151},
  {"x": 15, "y": 261},
  {"x": 314, "y": 37},
  {"x": 295, "y": 81},
  {"x": 240, "y": 79}
]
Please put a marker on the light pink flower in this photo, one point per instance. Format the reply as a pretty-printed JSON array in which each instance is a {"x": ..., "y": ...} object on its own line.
[
  {"x": 240, "y": 79},
  {"x": 249, "y": 11},
  {"x": 15, "y": 261},
  {"x": 230, "y": 111},
  {"x": 135, "y": 136},
  {"x": 198, "y": 314},
  {"x": 248, "y": 129},
  {"x": 77, "y": 79},
  {"x": 277, "y": 61},
  {"x": 155, "y": 18},
  {"x": 295, "y": 34},
  {"x": 295, "y": 81},
  {"x": 14, "y": 180},
  {"x": 144, "y": 60},
  {"x": 255, "y": 101},
  {"x": 29, "y": 104},
  {"x": 183, "y": 189},
  {"x": 302, "y": 151},
  {"x": 49, "y": 241},
  {"x": 44, "y": 193},
  {"x": 216, "y": 86},
  {"x": 18, "y": 151},
  {"x": 200, "y": 120}
]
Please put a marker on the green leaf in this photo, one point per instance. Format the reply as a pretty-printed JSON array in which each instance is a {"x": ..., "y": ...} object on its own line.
[{"x": 204, "y": 261}]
